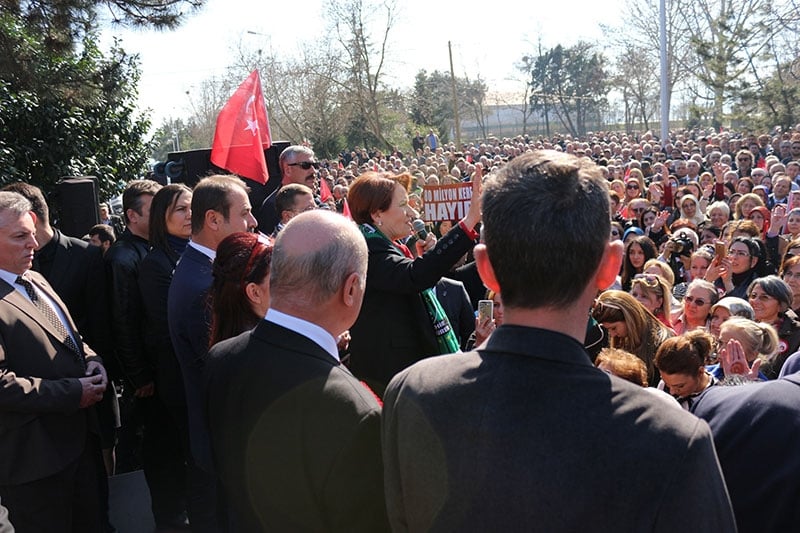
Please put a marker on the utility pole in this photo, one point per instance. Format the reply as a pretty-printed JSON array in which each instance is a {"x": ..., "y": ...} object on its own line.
[{"x": 455, "y": 98}]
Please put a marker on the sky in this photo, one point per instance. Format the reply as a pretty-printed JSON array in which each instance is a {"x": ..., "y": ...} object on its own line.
[{"x": 487, "y": 39}]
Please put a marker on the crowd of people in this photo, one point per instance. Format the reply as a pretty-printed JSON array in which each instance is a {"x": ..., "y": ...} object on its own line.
[{"x": 286, "y": 367}]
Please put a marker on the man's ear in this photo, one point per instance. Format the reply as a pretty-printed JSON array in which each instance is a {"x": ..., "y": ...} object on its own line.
[
  {"x": 485, "y": 267},
  {"x": 212, "y": 219},
  {"x": 351, "y": 290},
  {"x": 609, "y": 266}
]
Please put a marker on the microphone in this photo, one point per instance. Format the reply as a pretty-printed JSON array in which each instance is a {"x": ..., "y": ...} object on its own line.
[{"x": 419, "y": 229}]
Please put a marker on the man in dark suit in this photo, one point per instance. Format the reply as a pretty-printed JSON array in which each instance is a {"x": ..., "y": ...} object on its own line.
[
  {"x": 220, "y": 206},
  {"x": 453, "y": 297},
  {"x": 756, "y": 433},
  {"x": 525, "y": 434},
  {"x": 296, "y": 437},
  {"x": 50, "y": 379}
]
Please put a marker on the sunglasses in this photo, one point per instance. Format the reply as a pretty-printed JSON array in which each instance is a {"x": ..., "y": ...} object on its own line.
[
  {"x": 632, "y": 186},
  {"x": 651, "y": 280},
  {"x": 305, "y": 165},
  {"x": 600, "y": 309},
  {"x": 699, "y": 302}
]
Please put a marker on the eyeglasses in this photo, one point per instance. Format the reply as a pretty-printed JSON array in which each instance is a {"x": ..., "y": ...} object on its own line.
[
  {"x": 632, "y": 186},
  {"x": 738, "y": 253},
  {"x": 699, "y": 302},
  {"x": 305, "y": 165},
  {"x": 614, "y": 233}
]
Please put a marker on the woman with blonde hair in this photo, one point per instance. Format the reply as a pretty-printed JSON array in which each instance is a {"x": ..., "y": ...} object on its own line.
[
  {"x": 631, "y": 327},
  {"x": 660, "y": 268},
  {"x": 655, "y": 294},
  {"x": 746, "y": 204},
  {"x": 757, "y": 341}
]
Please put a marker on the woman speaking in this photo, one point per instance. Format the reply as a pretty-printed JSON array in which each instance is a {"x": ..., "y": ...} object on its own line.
[{"x": 401, "y": 321}]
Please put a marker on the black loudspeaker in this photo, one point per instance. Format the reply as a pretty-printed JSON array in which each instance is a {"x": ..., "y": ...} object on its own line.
[
  {"x": 191, "y": 166},
  {"x": 76, "y": 205}
]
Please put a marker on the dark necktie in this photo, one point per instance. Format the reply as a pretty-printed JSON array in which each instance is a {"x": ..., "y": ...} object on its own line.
[{"x": 50, "y": 314}]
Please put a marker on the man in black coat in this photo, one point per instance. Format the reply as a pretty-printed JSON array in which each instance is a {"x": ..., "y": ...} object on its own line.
[
  {"x": 756, "y": 431},
  {"x": 296, "y": 438},
  {"x": 525, "y": 434}
]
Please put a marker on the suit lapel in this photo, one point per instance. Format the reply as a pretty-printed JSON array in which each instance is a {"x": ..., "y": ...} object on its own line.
[{"x": 13, "y": 297}]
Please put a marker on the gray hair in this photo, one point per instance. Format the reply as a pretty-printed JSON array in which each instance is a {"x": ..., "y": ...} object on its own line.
[
  {"x": 722, "y": 206},
  {"x": 775, "y": 287},
  {"x": 14, "y": 203},
  {"x": 312, "y": 277},
  {"x": 290, "y": 153},
  {"x": 736, "y": 307}
]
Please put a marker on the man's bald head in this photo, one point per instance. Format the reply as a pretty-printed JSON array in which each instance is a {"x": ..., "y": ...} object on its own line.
[{"x": 313, "y": 257}]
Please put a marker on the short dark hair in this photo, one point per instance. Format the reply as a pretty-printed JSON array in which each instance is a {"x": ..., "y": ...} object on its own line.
[
  {"x": 285, "y": 198},
  {"x": 133, "y": 193},
  {"x": 542, "y": 205},
  {"x": 34, "y": 195},
  {"x": 212, "y": 193},
  {"x": 104, "y": 232},
  {"x": 163, "y": 204}
]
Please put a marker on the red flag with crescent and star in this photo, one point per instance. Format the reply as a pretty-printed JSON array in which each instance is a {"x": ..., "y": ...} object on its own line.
[{"x": 242, "y": 132}]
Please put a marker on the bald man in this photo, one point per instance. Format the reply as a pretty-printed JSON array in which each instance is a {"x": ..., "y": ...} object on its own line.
[{"x": 295, "y": 437}]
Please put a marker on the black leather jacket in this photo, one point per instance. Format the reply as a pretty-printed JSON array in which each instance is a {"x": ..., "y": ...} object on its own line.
[{"x": 127, "y": 314}]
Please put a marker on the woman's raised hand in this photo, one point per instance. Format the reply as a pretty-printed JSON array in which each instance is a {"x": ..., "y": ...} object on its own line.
[{"x": 474, "y": 213}]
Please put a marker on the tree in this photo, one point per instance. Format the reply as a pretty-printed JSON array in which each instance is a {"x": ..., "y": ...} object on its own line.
[
  {"x": 362, "y": 31},
  {"x": 81, "y": 120},
  {"x": 571, "y": 82},
  {"x": 432, "y": 101},
  {"x": 633, "y": 77},
  {"x": 640, "y": 32},
  {"x": 729, "y": 38},
  {"x": 66, "y": 108}
]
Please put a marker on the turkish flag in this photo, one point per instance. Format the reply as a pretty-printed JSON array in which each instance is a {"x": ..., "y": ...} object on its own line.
[
  {"x": 242, "y": 132},
  {"x": 346, "y": 210},
  {"x": 324, "y": 190}
]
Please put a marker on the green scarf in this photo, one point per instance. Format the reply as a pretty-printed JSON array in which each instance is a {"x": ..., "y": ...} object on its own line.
[{"x": 445, "y": 338}]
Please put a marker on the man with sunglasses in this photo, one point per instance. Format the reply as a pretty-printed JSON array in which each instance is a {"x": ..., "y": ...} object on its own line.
[{"x": 298, "y": 165}]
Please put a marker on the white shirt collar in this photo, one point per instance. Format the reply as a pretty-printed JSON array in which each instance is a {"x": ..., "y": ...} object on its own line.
[
  {"x": 305, "y": 328},
  {"x": 11, "y": 279},
  {"x": 208, "y": 252}
]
